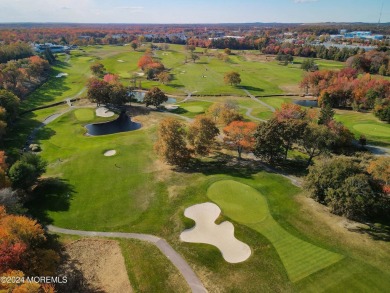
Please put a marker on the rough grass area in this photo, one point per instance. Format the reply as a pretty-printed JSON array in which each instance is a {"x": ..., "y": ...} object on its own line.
[
  {"x": 246, "y": 205},
  {"x": 149, "y": 270}
]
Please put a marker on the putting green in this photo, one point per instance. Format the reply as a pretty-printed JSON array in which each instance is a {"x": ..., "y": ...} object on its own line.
[
  {"x": 84, "y": 114},
  {"x": 375, "y": 130},
  {"x": 247, "y": 206},
  {"x": 194, "y": 109}
]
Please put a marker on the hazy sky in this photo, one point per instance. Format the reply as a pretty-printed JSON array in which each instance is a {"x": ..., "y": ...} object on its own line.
[{"x": 194, "y": 11}]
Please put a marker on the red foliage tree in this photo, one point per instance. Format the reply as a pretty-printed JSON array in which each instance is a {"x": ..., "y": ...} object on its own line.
[{"x": 240, "y": 136}]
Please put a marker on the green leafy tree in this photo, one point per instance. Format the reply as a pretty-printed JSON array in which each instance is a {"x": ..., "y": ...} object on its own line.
[
  {"x": 118, "y": 95},
  {"x": 269, "y": 142},
  {"x": 326, "y": 114},
  {"x": 194, "y": 57},
  {"x": 309, "y": 65},
  {"x": 134, "y": 45},
  {"x": 201, "y": 134},
  {"x": 98, "y": 69},
  {"x": 328, "y": 174},
  {"x": 354, "y": 199},
  {"x": 155, "y": 97},
  {"x": 171, "y": 143},
  {"x": 26, "y": 171},
  {"x": 232, "y": 78},
  {"x": 10, "y": 103},
  {"x": 316, "y": 140}
]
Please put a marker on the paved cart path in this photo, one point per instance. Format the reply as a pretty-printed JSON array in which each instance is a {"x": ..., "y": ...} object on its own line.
[{"x": 183, "y": 267}]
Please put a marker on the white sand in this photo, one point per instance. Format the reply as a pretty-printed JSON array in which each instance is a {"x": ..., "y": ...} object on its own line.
[
  {"x": 104, "y": 112},
  {"x": 110, "y": 153},
  {"x": 140, "y": 73},
  {"x": 121, "y": 61},
  {"x": 171, "y": 107},
  {"x": 61, "y": 74},
  {"x": 221, "y": 236}
]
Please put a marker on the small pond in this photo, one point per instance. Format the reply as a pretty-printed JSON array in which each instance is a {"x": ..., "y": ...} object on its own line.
[
  {"x": 139, "y": 96},
  {"x": 122, "y": 124},
  {"x": 306, "y": 103}
]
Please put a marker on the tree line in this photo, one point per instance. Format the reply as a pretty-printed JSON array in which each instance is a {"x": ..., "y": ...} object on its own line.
[
  {"x": 15, "y": 51},
  {"x": 346, "y": 88}
]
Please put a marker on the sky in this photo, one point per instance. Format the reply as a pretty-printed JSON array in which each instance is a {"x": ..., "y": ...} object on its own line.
[{"x": 193, "y": 11}]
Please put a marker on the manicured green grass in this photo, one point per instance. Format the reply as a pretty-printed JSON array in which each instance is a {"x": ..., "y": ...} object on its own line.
[
  {"x": 84, "y": 114},
  {"x": 246, "y": 205},
  {"x": 376, "y": 131},
  {"x": 58, "y": 89},
  {"x": 205, "y": 76},
  {"x": 192, "y": 108},
  {"x": 101, "y": 184}
]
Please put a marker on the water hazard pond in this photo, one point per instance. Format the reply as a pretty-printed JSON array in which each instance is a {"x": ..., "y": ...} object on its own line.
[{"x": 122, "y": 124}]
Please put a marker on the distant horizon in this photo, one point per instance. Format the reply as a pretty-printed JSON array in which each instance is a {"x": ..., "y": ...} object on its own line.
[
  {"x": 194, "y": 12},
  {"x": 195, "y": 23}
]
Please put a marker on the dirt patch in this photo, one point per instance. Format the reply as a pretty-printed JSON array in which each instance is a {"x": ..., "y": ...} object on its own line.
[
  {"x": 258, "y": 57},
  {"x": 101, "y": 263}
]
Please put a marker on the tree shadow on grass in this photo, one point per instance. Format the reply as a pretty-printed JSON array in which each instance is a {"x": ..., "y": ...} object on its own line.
[
  {"x": 251, "y": 88},
  {"x": 45, "y": 133},
  {"x": 51, "y": 194},
  {"x": 61, "y": 64},
  {"x": 175, "y": 85},
  {"x": 223, "y": 164},
  {"x": 375, "y": 231},
  {"x": 179, "y": 111},
  {"x": 47, "y": 92}
]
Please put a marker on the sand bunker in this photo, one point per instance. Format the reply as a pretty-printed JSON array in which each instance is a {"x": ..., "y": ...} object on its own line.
[
  {"x": 104, "y": 112},
  {"x": 61, "y": 74},
  {"x": 121, "y": 61},
  {"x": 110, "y": 153},
  {"x": 171, "y": 107},
  {"x": 140, "y": 73},
  {"x": 221, "y": 236}
]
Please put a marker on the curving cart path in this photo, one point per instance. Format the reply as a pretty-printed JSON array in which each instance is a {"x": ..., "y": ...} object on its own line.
[{"x": 188, "y": 274}]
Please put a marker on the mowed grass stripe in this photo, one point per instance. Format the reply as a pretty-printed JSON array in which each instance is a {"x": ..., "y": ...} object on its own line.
[{"x": 246, "y": 205}]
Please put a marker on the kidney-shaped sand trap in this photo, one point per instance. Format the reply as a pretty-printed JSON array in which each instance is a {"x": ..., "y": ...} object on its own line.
[{"x": 221, "y": 236}]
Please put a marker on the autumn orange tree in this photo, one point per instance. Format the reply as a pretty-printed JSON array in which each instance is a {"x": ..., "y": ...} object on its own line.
[
  {"x": 171, "y": 144},
  {"x": 380, "y": 171},
  {"x": 201, "y": 134},
  {"x": 239, "y": 135},
  {"x": 22, "y": 246}
]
